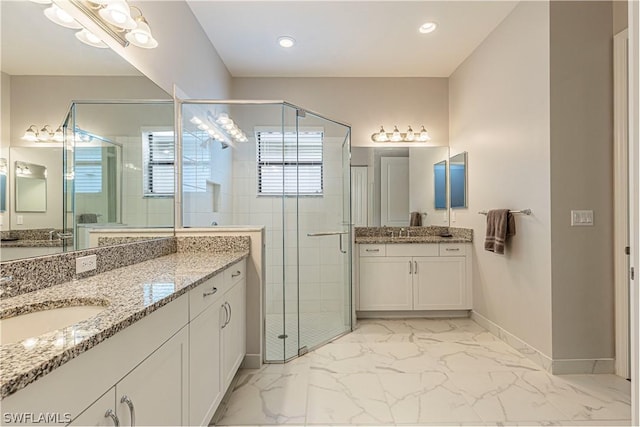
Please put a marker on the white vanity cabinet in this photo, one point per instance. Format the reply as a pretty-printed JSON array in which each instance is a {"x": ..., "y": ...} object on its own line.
[
  {"x": 414, "y": 276},
  {"x": 216, "y": 340}
]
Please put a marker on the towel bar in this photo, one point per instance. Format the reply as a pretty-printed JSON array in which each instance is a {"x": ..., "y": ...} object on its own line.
[{"x": 523, "y": 212}]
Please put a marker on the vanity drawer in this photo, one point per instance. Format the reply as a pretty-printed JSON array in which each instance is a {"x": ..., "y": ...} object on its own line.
[
  {"x": 412, "y": 249},
  {"x": 205, "y": 294},
  {"x": 372, "y": 250},
  {"x": 453, "y": 249}
]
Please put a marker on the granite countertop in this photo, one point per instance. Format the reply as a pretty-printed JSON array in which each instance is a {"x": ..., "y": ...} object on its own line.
[
  {"x": 128, "y": 294},
  {"x": 29, "y": 243},
  {"x": 411, "y": 239}
]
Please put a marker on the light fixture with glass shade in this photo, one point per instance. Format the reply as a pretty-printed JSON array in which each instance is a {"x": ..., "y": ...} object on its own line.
[
  {"x": 31, "y": 134},
  {"x": 45, "y": 134},
  {"x": 112, "y": 17},
  {"x": 397, "y": 136},
  {"x": 61, "y": 17},
  {"x": 88, "y": 38}
]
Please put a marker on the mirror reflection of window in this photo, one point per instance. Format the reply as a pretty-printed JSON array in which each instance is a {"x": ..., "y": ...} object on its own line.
[
  {"x": 458, "y": 177},
  {"x": 440, "y": 186}
]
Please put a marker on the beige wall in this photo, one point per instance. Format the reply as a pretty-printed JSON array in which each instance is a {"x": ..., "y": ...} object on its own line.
[
  {"x": 620, "y": 15},
  {"x": 582, "y": 178},
  {"x": 499, "y": 114},
  {"x": 364, "y": 103}
]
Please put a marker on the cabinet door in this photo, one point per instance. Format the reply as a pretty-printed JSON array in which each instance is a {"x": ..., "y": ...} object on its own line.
[
  {"x": 205, "y": 384},
  {"x": 385, "y": 283},
  {"x": 234, "y": 333},
  {"x": 96, "y": 414},
  {"x": 155, "y": 387},
  {"x": 439, "y": 283}
]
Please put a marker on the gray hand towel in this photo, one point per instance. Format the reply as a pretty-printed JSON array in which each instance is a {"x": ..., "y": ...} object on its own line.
[{"x": 500, "y": 225}]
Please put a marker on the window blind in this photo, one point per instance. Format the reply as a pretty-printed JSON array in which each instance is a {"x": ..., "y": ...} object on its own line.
[
  {"x": 159, "y": 163},
  {"x": 88, "y": 170},
  {"x": 196, "y": 164},
  {"x": 289, "y": 163}
]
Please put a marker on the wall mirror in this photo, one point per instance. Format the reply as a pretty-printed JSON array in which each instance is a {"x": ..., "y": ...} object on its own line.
[
  {"x": 400, "y": 181},
  {"x": 31, "y": 187},
  {"x": 39, "y": 92},
  {"x": 458, "y": 178}
]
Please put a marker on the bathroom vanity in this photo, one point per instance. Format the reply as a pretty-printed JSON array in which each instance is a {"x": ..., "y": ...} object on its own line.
[
  {"x": 162, "y": 352},
  {"x": 407, "y": 275}
]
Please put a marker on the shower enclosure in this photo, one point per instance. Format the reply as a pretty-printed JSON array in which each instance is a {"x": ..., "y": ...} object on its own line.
[
  {"x": 273, "y": 164},
  {"x": 109, "y": 147}
]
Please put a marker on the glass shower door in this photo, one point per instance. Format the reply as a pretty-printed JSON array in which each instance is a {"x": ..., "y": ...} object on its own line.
[{"x": 324, "y": 236}]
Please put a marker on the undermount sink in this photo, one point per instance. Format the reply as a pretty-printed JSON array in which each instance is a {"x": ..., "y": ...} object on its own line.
[{"x": 18, "y": 328}]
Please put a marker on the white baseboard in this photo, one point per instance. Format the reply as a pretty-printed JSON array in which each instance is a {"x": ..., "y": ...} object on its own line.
[
  {"x": 420, "y": 314},
  {"x": 556, "y": 367}
]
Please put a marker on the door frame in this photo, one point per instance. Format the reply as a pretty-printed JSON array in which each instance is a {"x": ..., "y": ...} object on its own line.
[{"x": 621, "y": 203}]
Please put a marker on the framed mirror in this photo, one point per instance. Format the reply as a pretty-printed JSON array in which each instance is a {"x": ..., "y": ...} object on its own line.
[
  {"x": 458, "y": 180},
  {"x": 31, "y": 187}
]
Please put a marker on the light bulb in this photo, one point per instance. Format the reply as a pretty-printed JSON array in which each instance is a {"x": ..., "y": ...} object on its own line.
[
  {"x": 381, "y": 136},
  {"x": 286, "y": 41},
  {"x": 410, "y": 136},
  {"x": 118, "y": 13}
]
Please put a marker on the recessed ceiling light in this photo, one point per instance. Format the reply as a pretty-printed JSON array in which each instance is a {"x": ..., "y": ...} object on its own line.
[
  {"x": 286, "y": 41},
  {"x": 428, "y": 27}
]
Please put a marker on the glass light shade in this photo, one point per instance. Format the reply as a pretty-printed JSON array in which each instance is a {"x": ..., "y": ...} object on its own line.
[
  {"x": 61, "y": 17},
  {"x": 409, "y": 136},
  {"x": 58, "y": 136},
  {"x": 141, "y": 35},
  {"x": 424, "y": 135},
  {"x": 31, "y": 134},
  {"x": 223, "y": 118},
  {"x": 395, "y": 137},
  {"x": 381, "y": 136},
  {"x": 286, "y": 41},
  {"x": 428, "y": 27},
  {"x": 45, "y": 134},
  {"x": 118, "y": 13},
  {"x": 88, "y": 38},
  {"x": 195, "y": 120},
  {"x": 203, "y": 126},
  {"x": 229, "y": 125}
]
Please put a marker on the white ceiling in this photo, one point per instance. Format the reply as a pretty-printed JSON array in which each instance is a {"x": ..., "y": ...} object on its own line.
[
  {"x": 347, "y": 38},
  {"x": 33, "y": 45}
]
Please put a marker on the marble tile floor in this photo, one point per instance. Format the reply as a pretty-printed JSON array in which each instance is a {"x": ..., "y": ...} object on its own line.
[{"x": 421, "y": 372}]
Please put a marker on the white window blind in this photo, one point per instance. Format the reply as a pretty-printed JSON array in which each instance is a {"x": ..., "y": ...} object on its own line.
[
  {"x": 88, "y": 170},
  {"x": 288, "y": 164},
  {"x": 159, "y": 163},
  {"x": 196, "y": 164}
]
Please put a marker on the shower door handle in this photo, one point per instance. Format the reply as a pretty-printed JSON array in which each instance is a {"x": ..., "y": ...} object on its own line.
[{"x": 330, "y": 233}]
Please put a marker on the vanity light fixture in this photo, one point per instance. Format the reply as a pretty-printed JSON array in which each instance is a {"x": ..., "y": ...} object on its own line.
[
  {"x": 114, "y": 17},
  {"x": 397, "y": 136},
  {"x": 45, "y": 134},
  {"x": 58, "y": 135},
  {"x": 220, "y": 128}
]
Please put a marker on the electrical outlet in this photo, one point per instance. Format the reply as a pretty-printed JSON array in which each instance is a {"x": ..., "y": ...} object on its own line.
[
  {"x": 85, "y": 263},
  {"x": 581, "y": 218},
  {"x": 19, "y": 219}
]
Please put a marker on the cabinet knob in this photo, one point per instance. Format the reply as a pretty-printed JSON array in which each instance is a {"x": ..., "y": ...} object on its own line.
[{"x": 113, "y": 416}]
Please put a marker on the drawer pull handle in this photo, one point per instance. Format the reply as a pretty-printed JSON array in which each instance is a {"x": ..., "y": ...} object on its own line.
[
  {"x": 452, "y": 250},
  {"x": 211, "y": 292},
  {"x": 372, "y": 250},
  {"x": 410, "y": 268},
  {"x": 113, "y": 416},
  {"x": 236, "y": 274},
  {"x": 415, "y": 269},
  {"x": 129, "y": 402}
]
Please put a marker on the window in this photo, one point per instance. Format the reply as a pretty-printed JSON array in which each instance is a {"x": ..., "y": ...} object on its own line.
[
  {"x": 159, "y": 162},
  {"x": 196, "y": 164},
  {"x": 88, "y": 170},
  {"x": 283, "y": 169}
]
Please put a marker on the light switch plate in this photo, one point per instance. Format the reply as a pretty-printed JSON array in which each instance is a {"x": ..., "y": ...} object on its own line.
[
  {"x": 19, "y": 219},
  {"x": 581, "y": 218}
]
